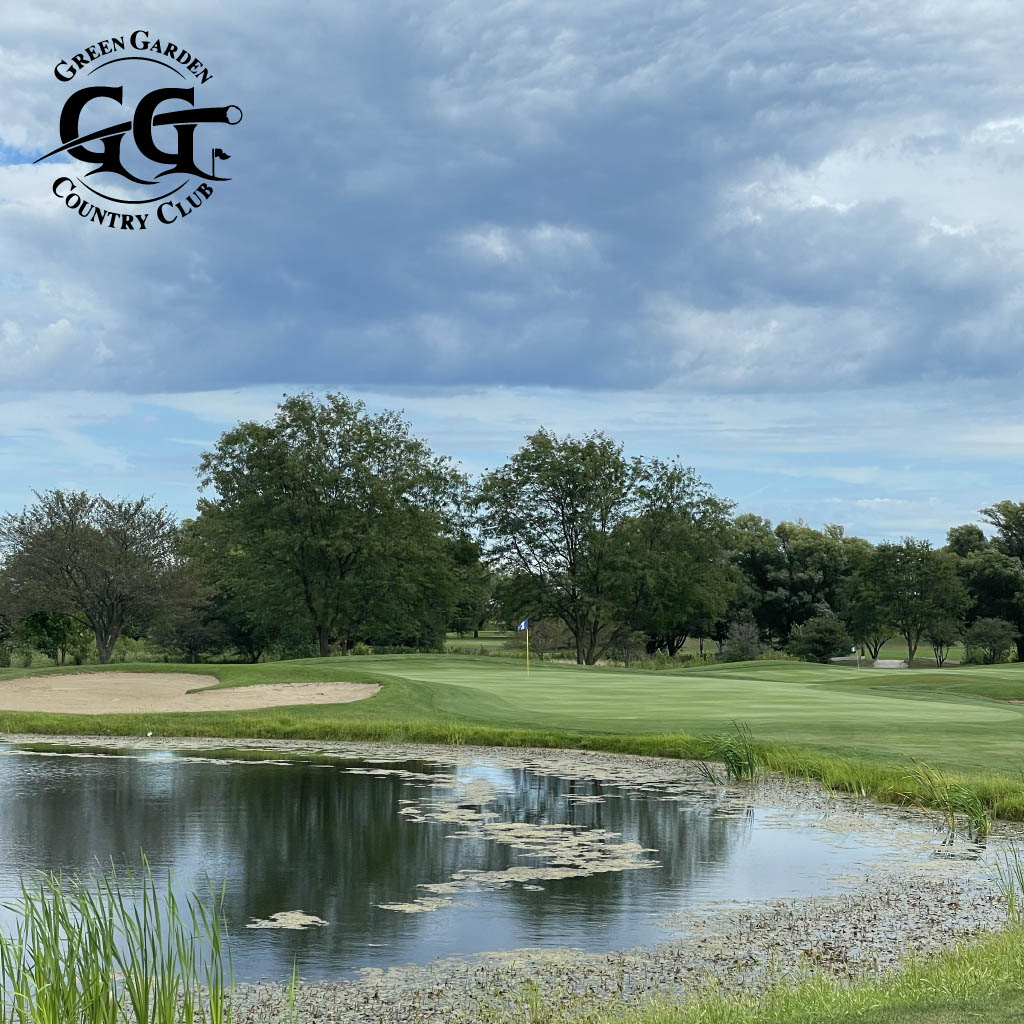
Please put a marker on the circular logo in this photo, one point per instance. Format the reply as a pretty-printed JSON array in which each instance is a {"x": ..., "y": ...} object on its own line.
[{"x": 148, "y": 151}]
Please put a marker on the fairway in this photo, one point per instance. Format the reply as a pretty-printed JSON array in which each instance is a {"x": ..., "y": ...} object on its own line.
[{"x": 958, "y": 717}]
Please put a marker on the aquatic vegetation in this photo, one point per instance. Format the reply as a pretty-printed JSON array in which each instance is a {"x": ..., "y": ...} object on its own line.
[
  {"x": 1010, "y": 878},
  {"x": 736, "y": 751},
  {"x": 114, "y": 949},
  {"x": 951, "y": 799},
  {"x": 288, "y": 920}
]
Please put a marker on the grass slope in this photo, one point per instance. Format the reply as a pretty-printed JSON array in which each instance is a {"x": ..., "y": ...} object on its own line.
[{"x": 837, "y": 724}]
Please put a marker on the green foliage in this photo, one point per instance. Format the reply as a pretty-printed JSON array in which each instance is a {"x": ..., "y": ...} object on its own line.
[
  {"x": 932, "y": 788},
  {"x": 819, "y": 639},
  {"x": 110, "y": 563},
  {"x": 736, "y": 751},
  {"x": 743, "y": 643},
  {"x": 943, "y": 634},
  {"x": 338, "y": 514},
  {"x": 113, "y": 949},
  {"x": 546, "y": 636},
  {"x": 917, "y": 588},
  {"x": 605, "y": 543},
  {"x": 989, "y": 641},
  {"x": 54, "y": 634}
]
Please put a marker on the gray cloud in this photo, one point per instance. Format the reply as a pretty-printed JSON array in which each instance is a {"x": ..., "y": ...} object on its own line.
[{"x": 609, "y": 195}]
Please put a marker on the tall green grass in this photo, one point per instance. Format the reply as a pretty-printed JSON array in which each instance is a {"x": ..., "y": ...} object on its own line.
[{"x": 114, "y": 949}]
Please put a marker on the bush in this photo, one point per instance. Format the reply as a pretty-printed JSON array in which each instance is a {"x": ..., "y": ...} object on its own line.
[
  {"x": 402, "y": 649},
  {"x": 989, "y": 641},
  {"x": 819, "y": 639},
  {"x": 360, "y": 649},
  {"x": 770, "y": 654},
  {"x": 743, "y": 643}
]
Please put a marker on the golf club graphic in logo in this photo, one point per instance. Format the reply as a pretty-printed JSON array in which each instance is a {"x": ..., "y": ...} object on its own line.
[{"x": 143, "y": 157}]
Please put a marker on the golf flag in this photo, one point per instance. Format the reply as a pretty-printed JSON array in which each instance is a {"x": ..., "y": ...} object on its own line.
[
  {"x": 525, "y": 624},
  {"x": 219, "y": 154}
]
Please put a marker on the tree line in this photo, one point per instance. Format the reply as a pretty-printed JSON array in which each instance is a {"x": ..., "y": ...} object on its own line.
[{"x": 330, "y": 529}]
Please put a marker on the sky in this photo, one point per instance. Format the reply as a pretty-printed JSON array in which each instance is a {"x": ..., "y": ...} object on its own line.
[{"x": 781, "y": 241}]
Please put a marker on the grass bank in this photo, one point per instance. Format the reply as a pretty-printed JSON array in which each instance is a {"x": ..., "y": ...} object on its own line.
[
  {"x": 981, "y": 981},
  {"x": 851, "y": 731}
]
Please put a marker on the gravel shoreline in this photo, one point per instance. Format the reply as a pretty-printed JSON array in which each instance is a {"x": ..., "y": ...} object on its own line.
[{"x": 923, "y": 902}]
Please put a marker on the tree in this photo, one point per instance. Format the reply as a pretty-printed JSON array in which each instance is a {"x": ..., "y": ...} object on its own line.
[
  {"x": 993, "y": 637},
  {"x": 550, "y": 515},
  {"x": 1008, "y": 519},
  {"x": 674, "y": 562},
  {"x": 943, "y": 634},
  {"x": 54, "y": 634},
  {"x": 546, "y": 635},
  {"x": 917, "y": 587},
  {"x": 965, "y": 540},
  {"x": 792, "y": 572},
  {"x": 338, "y": 512},
  {"x": 742, "y": 643},
  {"x": 107, "y": 562},
  {"x": 474, "y": 587},
  {"x": 866, "y": 608},
  {"x": 995, "y": 581},
  {"x": 192, "y": 630},
  {"x": 819, "y": 639}
]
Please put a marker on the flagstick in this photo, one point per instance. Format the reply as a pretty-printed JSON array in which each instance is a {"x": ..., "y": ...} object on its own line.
[{"x": 527, "y": 648}]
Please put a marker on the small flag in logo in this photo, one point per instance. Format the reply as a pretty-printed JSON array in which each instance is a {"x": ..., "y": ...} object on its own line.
[
  {"x": 219, "y": 154},
  {"x": 525, "y": 624}
]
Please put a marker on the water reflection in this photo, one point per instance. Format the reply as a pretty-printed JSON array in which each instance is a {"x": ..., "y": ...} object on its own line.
[{"x": 332, "y": 843}]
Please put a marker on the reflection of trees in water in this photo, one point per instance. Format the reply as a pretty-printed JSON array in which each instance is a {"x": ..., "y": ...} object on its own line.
[
  {"x": 689, "y": 836},
  {"x": 329, "y": 842}
]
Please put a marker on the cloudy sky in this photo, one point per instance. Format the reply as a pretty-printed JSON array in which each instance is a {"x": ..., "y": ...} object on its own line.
[{"x": 781, "y": 240}]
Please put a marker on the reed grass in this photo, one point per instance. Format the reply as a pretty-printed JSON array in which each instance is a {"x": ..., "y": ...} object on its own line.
[{"x": 114, "y": 949}]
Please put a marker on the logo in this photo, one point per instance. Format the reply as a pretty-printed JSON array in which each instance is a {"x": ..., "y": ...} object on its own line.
[{"x": 138, "y": 133}]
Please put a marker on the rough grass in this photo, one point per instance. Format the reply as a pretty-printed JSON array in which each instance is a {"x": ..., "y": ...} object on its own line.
[{"x": 981, "y": 981}]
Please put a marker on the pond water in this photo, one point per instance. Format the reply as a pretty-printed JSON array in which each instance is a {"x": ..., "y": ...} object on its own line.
[{"x": 514, "y": 857}]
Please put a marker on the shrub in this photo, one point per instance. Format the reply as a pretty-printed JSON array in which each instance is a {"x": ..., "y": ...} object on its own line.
[
  {"x": 989, "y": 641},
  {"x": 361, "y": 649},
  {"x": 743, "y": 643},
  {"x": 819, "y": 639}
]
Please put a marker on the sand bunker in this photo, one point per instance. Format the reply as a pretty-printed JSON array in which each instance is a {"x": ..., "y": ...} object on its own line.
[{"x": 103, "y": 693}]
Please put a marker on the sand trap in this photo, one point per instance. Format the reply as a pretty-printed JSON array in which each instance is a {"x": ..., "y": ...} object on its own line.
[{"x": 102, "y": 693}]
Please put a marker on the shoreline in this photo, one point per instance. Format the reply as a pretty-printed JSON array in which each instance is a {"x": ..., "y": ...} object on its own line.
[{"x": 922, "y": 903}]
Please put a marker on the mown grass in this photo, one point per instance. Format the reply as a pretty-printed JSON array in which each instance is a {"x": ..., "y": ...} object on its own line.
[{"x": 855, "y": 732}]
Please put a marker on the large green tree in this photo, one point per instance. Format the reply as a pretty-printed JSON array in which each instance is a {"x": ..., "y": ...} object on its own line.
[
  {"x": 579, "y": 531},
  {"x": 673, "y": 555},
  {"x": 55, "y": 634},
  {"x": 917, "y": 588},
  {"x": 1008, "y": 519},
  {"x": 110, "y": 563},
  {"x": 339, "y": 514}
]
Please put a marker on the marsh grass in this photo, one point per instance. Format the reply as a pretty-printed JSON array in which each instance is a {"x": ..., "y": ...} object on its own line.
[
  {"x": 114, "y": 949},
  {"x": 736, "y": 751},
  {"x": 951, "y": 798},
  {"x": 1010, "y": 878}
]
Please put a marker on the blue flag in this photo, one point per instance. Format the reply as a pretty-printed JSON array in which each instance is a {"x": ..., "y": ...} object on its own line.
[{"x": 525, "y": 624}]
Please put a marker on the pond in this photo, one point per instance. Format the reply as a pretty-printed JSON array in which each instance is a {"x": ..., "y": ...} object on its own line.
[{"x": 411, "y": 859}]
